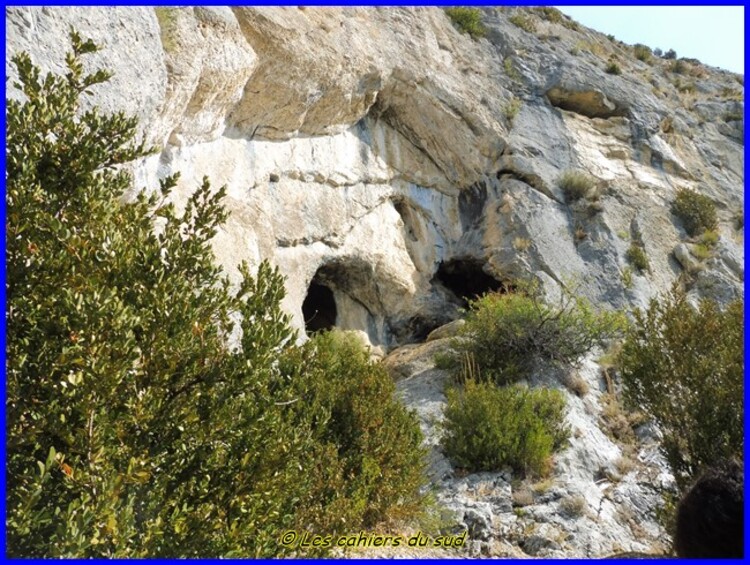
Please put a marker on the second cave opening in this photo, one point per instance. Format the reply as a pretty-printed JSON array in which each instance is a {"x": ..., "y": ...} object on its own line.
[{"x": 466, "y": 278}]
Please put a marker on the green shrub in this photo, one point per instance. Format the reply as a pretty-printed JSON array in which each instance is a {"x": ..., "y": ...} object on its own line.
[
  {"x": 710, "y": 238},
  {"x": 376, "y": 439},
  {"x": 506, "y": 334},
  {"x": 670, "y": 54},
  {"x": 576, "y": 185},
  {"x": 679, "y": 67},
  {"x": 613, "y": 69},
  {"x": 684, "y": 367},
  {"x": 523, "y": 21},
  {"x": 468, "y": 20},
  {"x": 133, "y": 428},
  {"x": 627, "y": 278},
  {"x": 637, "y": 257},
  {"x": 642, "y": 52},
  {"x": 556, "y": 16},
  {"x": 697, "y": 211},
  {"x": 701, "y": 251},
  {"x": 487, "y": 428}
]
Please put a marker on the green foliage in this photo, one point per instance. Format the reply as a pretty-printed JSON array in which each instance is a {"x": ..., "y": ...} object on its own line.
[
  {"x": 684, "y": 367},
  {"x": 576, "y": 185},
  {"x": 637, "y": 257},
  {"x": 679, "y": 66},
  {"x": 697, "y": 211},
  {"x": 523, "y": 21},
  {"x": 378, "y": 441},
  {"x": 642, "y": 52},
  {"x": 710, "y": 238},
  {"x": 506, "y": 334},
  {"x": 489, "y": 427},
  {"x": 627, "y": 278},
  {"x": 512, "y": 108},
  {"x": 701, "y": 251},
  {"x": 613, "y": 69},
  {"x": 133, "y": 428},
  {"x": 468, "y": 20}
]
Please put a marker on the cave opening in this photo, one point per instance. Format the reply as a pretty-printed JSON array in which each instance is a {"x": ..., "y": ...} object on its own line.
[
  {"x": 467, "y": 280},
  {"x": 319, "y": 308}
]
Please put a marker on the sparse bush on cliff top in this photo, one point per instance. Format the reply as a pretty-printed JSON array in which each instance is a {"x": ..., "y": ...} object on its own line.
[
  {"x": 468, "y": 20},
  {"x": 642, "y": 52},
  {"x": 523, "y": 21},
  {"x": 133, "y": 429},
  {"x": 684, "y": 367}
]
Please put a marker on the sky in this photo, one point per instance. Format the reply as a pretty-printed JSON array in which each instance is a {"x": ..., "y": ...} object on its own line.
[{"x": 715, "y": 35}]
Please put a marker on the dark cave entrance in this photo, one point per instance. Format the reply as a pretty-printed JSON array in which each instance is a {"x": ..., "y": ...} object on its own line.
[
  {"x": 467, "y": 280},
  {"x": 319, "y": 308}
]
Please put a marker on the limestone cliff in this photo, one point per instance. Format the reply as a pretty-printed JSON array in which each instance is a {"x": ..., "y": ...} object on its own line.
[{"x": 390, "y": 165}]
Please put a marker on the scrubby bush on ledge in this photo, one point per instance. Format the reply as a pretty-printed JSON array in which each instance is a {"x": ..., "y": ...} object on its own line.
[
  {"x": 696, "y": 211},
  {"x": 506, "y": 334},
  {"x": 488, "y": 427},
  {"x": 132, "y": 428},
  {"x": 576, "y": 185},
  {"x": 468, "y": 20}
]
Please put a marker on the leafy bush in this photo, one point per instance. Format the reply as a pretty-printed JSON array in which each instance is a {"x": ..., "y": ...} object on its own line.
[
  {"x": 670, "y": 54},
  {"x": 468, "y": 20},
  {"x": 523, "y": 21},
  {"x": 696, "y": 211},
  {"x": 506, "y": 334},
  {"x": 133, "y": 428},
  {"x": 642, "y": 52},
  {"x": 637, "y": 257},
  {"x": 613, "y": 69},
  {"x": 576, "y": 185},
  {"x": 487, "y": 427},
  {"x": 378, "y": 441},
  {"x": 684, "y": 367}
]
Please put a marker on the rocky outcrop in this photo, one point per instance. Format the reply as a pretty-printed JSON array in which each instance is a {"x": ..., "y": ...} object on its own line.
[{"x": 596, "y": 502}]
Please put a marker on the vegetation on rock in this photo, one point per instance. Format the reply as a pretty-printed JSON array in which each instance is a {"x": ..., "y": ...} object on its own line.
[
  {"x": 576, "y": 185},
  {"x": 684, "y": 366},
  {"x": 696, "y": 211},
  {"x": 506, "y": 334},
  {"x": 637, "y": 257},
  {"x": 488, "y": 427},
  {"x": 468, "y": 20},
  {"x": 135, "y": 426}
]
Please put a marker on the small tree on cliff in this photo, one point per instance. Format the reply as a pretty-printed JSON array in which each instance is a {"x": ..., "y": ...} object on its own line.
[{"x": 133, "y": 429}]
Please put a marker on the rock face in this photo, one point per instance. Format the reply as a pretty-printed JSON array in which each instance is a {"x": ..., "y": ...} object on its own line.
[
  {"x": 377, "y": 152},
  {"x": 392, "y": 168}
]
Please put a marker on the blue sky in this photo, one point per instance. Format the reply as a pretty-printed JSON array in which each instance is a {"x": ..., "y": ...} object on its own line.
[{"x": 713, "y": 34}]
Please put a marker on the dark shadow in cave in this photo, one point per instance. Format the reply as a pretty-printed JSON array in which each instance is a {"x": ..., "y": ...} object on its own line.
[
  {"x": 319, "y": 308},
  {"x": 466, "y": 279}
]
